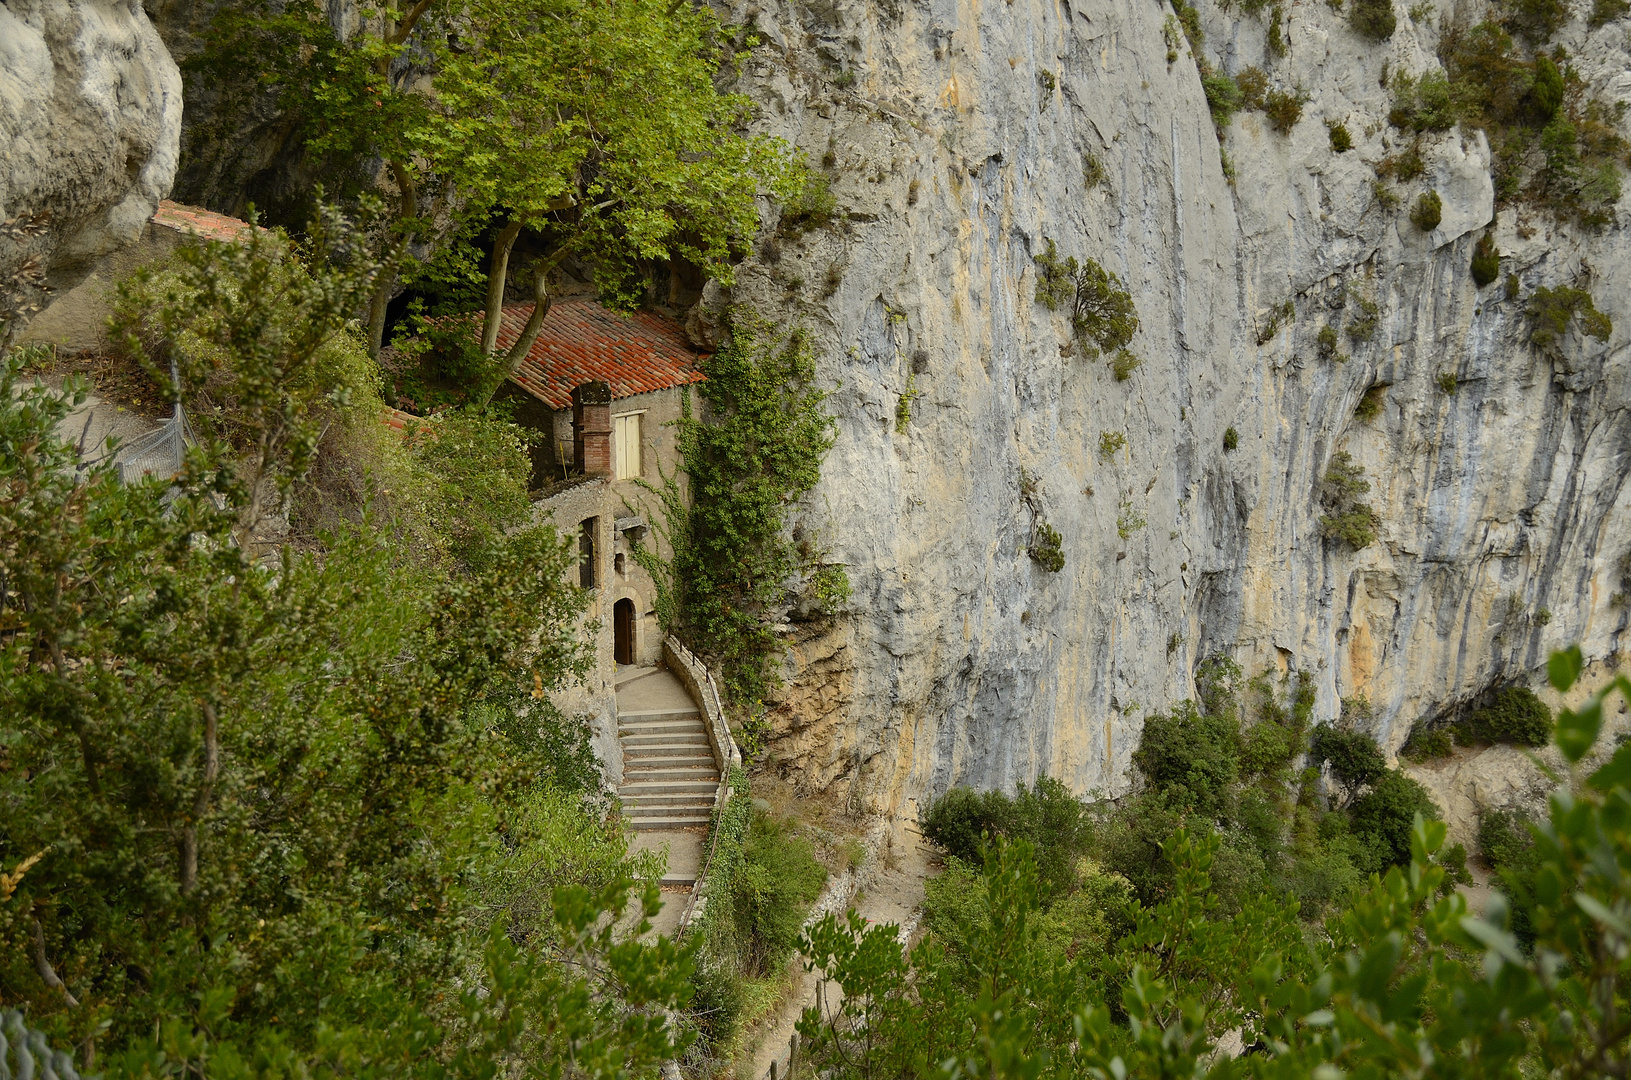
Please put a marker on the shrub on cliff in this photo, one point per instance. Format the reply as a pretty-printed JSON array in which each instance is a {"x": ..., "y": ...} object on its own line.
[
  {"x": 1428, "y": 211},
  {"x": 1551, "y": 310},
  {"x": 1486, "y": 260},
  {"x": 1346, "y": 520},
  {"x": 1373, "y": 18},
  {"x": 1354, "y": 757},
  {"x": 964, "y": 824},
  {"x": 1103, "y": 317},
  {"x": 1516, "y": 716}
]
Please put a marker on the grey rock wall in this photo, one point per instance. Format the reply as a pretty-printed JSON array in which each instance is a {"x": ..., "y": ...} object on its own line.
[
  {"x": 90, "y": 121},
  {"x": 955, "y": 134}
]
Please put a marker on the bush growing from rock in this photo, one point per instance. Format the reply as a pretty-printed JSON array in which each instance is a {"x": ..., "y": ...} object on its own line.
[
  {"x": 1347, "y": 520},
  {"x": 1341, "y": 141},
  {"x": 1428, "y": 211},
  {"x": 1231, "y": 439},
  {"x": 1355, "y": 758},
  {"x": 1370, "y": 405},
  {"x": 1550, "y": 311},
  {"x": 1486, "y": 261},
  {"x": 1516, "y": 716},
  {"x": 1283, "y": 109},
  {"x": 1373, "y": 18}
]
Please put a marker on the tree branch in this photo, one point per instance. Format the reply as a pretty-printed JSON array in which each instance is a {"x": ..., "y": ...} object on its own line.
[
  {"x": 47, "y": 972},
  {"x": 201, "y": 802},
  {"x": 497, "y": 271}
]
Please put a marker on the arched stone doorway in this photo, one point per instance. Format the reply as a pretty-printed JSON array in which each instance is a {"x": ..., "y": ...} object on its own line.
[{"x": 623, "y": 643}]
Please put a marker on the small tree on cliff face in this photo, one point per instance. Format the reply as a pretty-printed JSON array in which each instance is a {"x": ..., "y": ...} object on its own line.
[{"x": 597, "y": 127}]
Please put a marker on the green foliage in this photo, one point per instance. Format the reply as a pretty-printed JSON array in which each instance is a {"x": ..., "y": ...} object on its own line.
[
  {"x": 1373, "y": 19},
  {"x": 1400, "y": 982},
  {"x": 812, "y": 207},
  {"x": 1341, "y": 141},
  {"x": 1535, "y": 20},
  {"x": 1123, "y": 364},
  {"x": 771, "y": 893},
  {"x": 1551, "y": 310},
  {"x": 1486, "y": 260},
  {"x": 1223, "y": 97},
  {"x": 1283, "y": 109},
  {"x": 1428, "y": 211},
  {"x": 903, "y": 406},
  {"x": 1537, "y": 104},
  {"x": 1424, "y": 104},
  {"x": 1102, "y": 315},
  {"x": 965, "y": 823},
  {"x": 1326, "y": 341},
  {"x": 1383, "y": 815},
  {"x": 1354, "y": 757},
  {"x": 754, "y": 454},
  {"x": 1128, "y": 519},
  {"x": 1111, "y": 443},
  {"x": 1346, "y": 520},
  {"x": 277, "y": 797},
  {"x": 1275, "y": 41},
  {"x": 604, "y": 137},
  {"x": 1370, "y": 405},
  {"x": 1047, "y": 548},
  {"x": 1515, "y": 716},
  {"x": 1385, "y": 197},
  {"x": 1191, "y": 756},
  {"x": 1426, "y": 743},
  {"x": 1606, "y": 11},
  {"x": 1446, "y": 382},
  {"x": 1231, "y": 439},
  {"x": 1254, "y": 86}
]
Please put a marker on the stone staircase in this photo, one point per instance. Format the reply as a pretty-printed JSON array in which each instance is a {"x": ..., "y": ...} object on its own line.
[{"x": 669, "y": 772}]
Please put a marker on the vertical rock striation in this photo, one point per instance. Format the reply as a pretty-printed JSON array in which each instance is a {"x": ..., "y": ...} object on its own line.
[{"x": 959, "y": 137}]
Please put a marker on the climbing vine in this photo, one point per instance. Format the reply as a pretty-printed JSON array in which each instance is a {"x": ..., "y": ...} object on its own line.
[{"x": 757, "y": 451}]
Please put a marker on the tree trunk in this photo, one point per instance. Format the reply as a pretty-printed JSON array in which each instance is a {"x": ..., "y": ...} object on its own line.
[
  {"x": 407, "y": 209},
  {"x": 201, "y": 803},
  {"x": 529, "y": 333},
  {"x": 497, "y": 271}
]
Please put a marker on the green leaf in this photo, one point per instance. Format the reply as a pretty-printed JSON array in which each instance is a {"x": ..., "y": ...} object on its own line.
[
  {"x": 1616, "y": 773},
  {"x": 1496, "y": 940},
  {"x": 1564, "y": 668},
  {"x": 1577, "y": 731},
  {"x": 1599, "y": 911}
]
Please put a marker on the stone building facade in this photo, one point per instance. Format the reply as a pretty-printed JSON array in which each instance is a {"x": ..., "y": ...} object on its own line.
[{"x": 606, "y": 390}]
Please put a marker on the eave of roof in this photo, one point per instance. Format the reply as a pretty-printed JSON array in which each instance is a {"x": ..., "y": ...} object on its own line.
[{"x": 581, "y": 341}]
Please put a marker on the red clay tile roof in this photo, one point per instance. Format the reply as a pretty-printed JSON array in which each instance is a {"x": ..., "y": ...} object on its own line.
[
  {"x": 205, "y": 223},
  {"x": 582, "y": 341}
]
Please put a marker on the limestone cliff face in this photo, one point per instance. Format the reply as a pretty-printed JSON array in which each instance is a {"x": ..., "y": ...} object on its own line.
[
  {"x": 956, "y": 133},
  {"x": 90, "y": 122}
]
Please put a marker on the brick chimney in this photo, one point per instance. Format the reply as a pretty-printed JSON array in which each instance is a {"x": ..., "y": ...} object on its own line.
[{"x": 592, "y": 428}]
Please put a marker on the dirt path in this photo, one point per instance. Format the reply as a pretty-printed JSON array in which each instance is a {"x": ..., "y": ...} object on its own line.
[{"x": 889, "y": 885}]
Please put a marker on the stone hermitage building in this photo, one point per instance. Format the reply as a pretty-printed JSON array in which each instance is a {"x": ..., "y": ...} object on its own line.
[{"x": 604, "y": 389}]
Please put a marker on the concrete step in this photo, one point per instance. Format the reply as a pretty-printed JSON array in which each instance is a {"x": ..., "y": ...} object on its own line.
[
  {"x": 666, "y": 757},
  {"x": 657, "y": 727},
  {"x": 646, "y": 755},
  {"x": 669, "y": 738},
  {"x": 663, "y": 775},
  {"x": 704, "y": 801},
  {"x": 666, "y": 810},
  {"x": 674, "y": 787},
  {"x": 645, "y": 824},
  {"x": 651, "y": 716}
]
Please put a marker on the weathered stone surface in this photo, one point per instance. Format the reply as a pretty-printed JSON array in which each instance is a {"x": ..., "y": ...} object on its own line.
[
  {"x": 90, "y": 118},
  {"x": 956, "y": 151}
]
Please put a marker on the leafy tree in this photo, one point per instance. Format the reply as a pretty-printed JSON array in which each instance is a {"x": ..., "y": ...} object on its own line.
[
  {"x": 247, "y": 790},
  {"x": 1552, "y": 310},
  {"x": 596, "y": 129},
  {"x": 1516, "y": 716},
  {"x": 1354, "y": 757},
  {"x": 1405, "y": 981},
  {"x": 1373, "y": 19},
  {"x": 1347, "y": 519}
]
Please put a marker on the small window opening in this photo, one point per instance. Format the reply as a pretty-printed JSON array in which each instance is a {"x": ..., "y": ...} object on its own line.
[
  {"x": 586, "y": 552},
  {"x": 617, "y": 560}
]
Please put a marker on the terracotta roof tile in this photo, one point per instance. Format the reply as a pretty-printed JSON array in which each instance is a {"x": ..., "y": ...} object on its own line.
[
  {"x": 205, "y": 223},
  {"x": 582, "y": 341}
]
